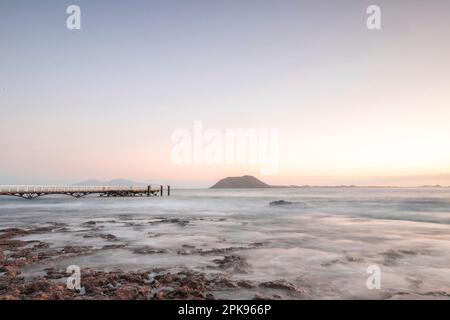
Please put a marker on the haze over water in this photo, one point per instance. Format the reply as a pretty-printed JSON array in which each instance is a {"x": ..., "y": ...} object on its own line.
[{"x": 322, "y": 243}]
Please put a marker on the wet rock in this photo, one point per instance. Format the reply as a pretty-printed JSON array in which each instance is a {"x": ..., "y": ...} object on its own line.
[
  {"x": 89, "y": 223},
  {"x": 42, "y": 230},
  {"x": 109, "y": 237},
  {"x": 133, "y": 224},
  {"x": 280, "y": 203},
  {"x": 16, "y": 253},
  {"x": 213, "y": 252},
  {"x": 431, "y": 295},
  {"x": 209, "y": 296},
  {"x": 224, "y": 282},
  {"x": 237, "y": 263},
  {"x": 110, "y": 221},
  {"x": 330, "y": 263},
  {"x": 391, "y": 257},
  {"x": 219, "y": 251},
  {"x": 41, "y": 245},
  {"x": 154, "y": 235},
  {"x": 343, "y": 260},
  {"x": 353, "y": 259},
  {"x": 408, "y": 252},
  {"x": 76, "y": 249},
  {"x": 115, "y": 285},
  {"x": 12, "y": 232},
  {"x": 126, "y": 217},
  {"x": 246, "y": 284},
  {"x": 129, "y": 292},
  {"x": 7, "y": 244},
  {"x": 279, "y": 284},
  {"x": 11, "y": 271},
  {"x": 149, "y": 250},
  {"x": 52, "y": 273},
  {"x": 178, "y": 221},
  {"x": 113, "y": 246},
  {"x": 46, "y": 290},
  {"x": 48, "y": 254},
  {"x": 259, "y": 296},
  {"x": 437, "y": 293}
]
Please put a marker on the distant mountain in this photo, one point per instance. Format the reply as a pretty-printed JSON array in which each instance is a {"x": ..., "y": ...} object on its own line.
[
  {"x": 240, "y": 182},
  {"x": 115, "y": 182}
]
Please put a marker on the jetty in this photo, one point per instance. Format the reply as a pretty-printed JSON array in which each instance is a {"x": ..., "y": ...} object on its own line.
[{"x": 32, "y": 192}]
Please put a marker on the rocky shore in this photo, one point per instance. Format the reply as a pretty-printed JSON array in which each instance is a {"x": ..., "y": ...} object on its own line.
[
  {"x": 155, "y": 283},
  {"x": 120, "y": 250}
]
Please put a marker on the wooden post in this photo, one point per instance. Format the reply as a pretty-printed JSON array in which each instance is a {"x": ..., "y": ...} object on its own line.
[
  {"x": 149, "y": 190},
  {"x": 161, "y": 191},
  {"x": 168, "y": 191}
]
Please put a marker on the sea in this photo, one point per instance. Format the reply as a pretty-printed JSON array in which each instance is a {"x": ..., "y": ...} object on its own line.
[{"x": 334, "y": 243}]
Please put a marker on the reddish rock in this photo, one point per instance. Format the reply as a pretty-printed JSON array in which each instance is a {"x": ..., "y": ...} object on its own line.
[{"x": 279, "y": 284}]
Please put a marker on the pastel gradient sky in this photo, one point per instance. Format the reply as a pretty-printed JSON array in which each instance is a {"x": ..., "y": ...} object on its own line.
[{"x": 352, "y": 105}]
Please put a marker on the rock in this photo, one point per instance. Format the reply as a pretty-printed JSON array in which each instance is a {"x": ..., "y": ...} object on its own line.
[
  {"x": 130, "y": 292},
  {"x": 391, "y": 257},
  {"x": 246, "y": 284},
  {"x": 209, "y": 296},
  {"x": 52, "y": 273},
  {"x": 11, "y": 271},
  {"x": 218, "y": 251},
  {"x": 280, "y": 203},
  {"x": 109, "y": 237},
  {"x": 237, "y": 263},
  {"x": 41, "y": 245},
  {"x": 149, "y": 250},
  {"x": 330, "y": 263},
  {"x": 113, "y": 246},
  {"x": 89, "y": 223},
  {"x": 76, "y": 250},
  {"x": 279, "y": 284},
  {"x": 257, "y": 244},
  {"x": 259, "y": 296},
  {"x": 180, "y": 222},
  {"x": 353, "y": 259},
  {"x": 116, "y": 285}
]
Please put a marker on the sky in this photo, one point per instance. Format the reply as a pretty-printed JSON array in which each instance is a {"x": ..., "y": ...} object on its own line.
[{"x": 351, "y": 105}]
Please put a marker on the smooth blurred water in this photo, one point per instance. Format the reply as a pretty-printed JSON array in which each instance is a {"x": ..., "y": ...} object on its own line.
[{"x": 323, "y": 242}]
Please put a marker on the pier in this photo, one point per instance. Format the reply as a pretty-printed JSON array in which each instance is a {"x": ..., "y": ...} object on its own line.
[{"x": 32, "y": 192}]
